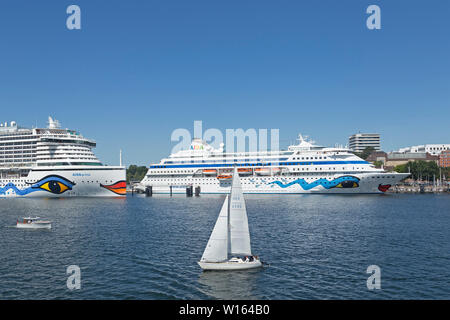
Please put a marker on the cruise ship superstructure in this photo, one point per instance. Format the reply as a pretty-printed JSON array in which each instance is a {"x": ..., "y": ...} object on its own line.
[
  {"x": 302, "y": 168},
  {"x": 54, "y": 162}
]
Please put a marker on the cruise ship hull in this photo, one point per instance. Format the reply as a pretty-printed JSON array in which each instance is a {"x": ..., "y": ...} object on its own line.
[
  {"x": 303, "y": 168},
  {"x": 89, "y": 181},
  {"x": 338, "y": 184}
]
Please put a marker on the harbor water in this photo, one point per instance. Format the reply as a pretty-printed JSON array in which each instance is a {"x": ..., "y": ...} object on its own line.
[{"x": 317, "y": 247}]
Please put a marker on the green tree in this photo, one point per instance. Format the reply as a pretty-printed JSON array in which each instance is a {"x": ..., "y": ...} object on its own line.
[
  {"x": 366, "y": 152},
  {"x": 135, "y": 173},
  {"x": 378, "y": 164},
  {"x": 420, "y": 169},
  {"x": 445, "y": 173}
]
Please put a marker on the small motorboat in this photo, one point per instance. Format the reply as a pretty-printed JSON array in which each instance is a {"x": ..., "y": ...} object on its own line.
[{"x": 33, "y": 223}]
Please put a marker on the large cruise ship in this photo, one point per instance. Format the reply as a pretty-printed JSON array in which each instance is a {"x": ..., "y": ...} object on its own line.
[
  {"x": 302, "y": 168},
  {"x": 54, "y": 162}
]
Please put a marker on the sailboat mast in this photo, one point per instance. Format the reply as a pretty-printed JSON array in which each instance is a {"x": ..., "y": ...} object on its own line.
[{"x": 229, "y": 225}]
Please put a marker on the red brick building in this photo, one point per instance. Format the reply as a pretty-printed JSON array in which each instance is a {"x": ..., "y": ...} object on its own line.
[{"x": 444, "y": 159}]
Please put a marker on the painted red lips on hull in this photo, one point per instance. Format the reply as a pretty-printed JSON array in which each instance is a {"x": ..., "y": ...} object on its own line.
[
  {"x": 119, "y": 187},
  {"x": 384, "y": 187}
]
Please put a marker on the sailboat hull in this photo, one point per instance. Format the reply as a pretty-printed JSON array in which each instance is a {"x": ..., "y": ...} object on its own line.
[{"x": 230, "y": 265}]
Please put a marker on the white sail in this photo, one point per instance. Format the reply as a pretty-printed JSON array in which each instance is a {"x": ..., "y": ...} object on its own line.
[
  {"x": 239, "y": 233},
  {"x": 217, "y": 248}
]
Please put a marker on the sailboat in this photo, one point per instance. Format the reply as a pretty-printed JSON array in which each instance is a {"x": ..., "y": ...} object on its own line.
[{"x": 228, "y": 246}]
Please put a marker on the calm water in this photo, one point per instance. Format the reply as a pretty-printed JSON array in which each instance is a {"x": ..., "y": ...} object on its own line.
[{"x": 318, "y": 247}]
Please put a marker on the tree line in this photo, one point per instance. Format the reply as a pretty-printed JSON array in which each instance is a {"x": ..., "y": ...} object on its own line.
[
  {"x": 423, "y": 170},
  {"x": 136, "y": 173}
]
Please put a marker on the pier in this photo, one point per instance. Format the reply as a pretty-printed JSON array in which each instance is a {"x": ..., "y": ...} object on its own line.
[
  {"x": 136, "y": 187},
  {"x": 419, "y": 188}
]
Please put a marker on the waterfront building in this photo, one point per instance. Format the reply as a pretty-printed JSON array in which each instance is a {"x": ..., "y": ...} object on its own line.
[
  {"x": 396, "y": 158},
  {"x": 360, "y": 141},
  {"x": 392, "y": 159},
  {"x": 377, "y": 156},
  {"x": 433, "y": 149},
  {"x": 444, "y": 159}
]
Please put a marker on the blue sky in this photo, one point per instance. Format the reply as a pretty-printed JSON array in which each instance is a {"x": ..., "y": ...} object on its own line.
[{"x": 137, "y": 70}]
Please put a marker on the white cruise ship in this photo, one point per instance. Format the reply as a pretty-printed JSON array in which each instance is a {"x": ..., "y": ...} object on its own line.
[
  {"x": 53, "y": 162},
  {"x": 303, "y": 168}
]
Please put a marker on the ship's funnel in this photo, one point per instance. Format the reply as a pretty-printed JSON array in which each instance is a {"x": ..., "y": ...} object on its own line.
[{"x": 53, "y": 124}]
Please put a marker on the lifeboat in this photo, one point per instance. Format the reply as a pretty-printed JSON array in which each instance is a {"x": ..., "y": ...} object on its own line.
[
  {"x": 224, "y": 177},
  {"x": 245, "y": 171},
  {"x": 262, "y": 171},
  {"x": 276, "y": 170},
  {"x": 209, "y": 171}
]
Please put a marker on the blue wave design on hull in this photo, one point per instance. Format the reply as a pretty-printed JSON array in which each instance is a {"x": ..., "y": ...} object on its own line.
[
  {"x": 38, "y": 186},
  {"x": 320, "y": 182},
  {"x": 16, "y": 190}
]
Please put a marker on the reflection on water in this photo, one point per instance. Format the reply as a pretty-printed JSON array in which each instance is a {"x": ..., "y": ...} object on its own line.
[
  {"x": 229, "y": 285},
  {"x": 318, "y": 247}
]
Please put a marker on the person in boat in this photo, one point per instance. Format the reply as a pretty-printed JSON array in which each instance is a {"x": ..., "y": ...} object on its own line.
[{"x": 250, "y": 259}]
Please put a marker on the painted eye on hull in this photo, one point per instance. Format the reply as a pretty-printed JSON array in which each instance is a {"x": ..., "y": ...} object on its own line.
[
  {"x": 347, "y": 184},
  {"x": 54, "y": 187},
  {"x": 54, "y": 184}
]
